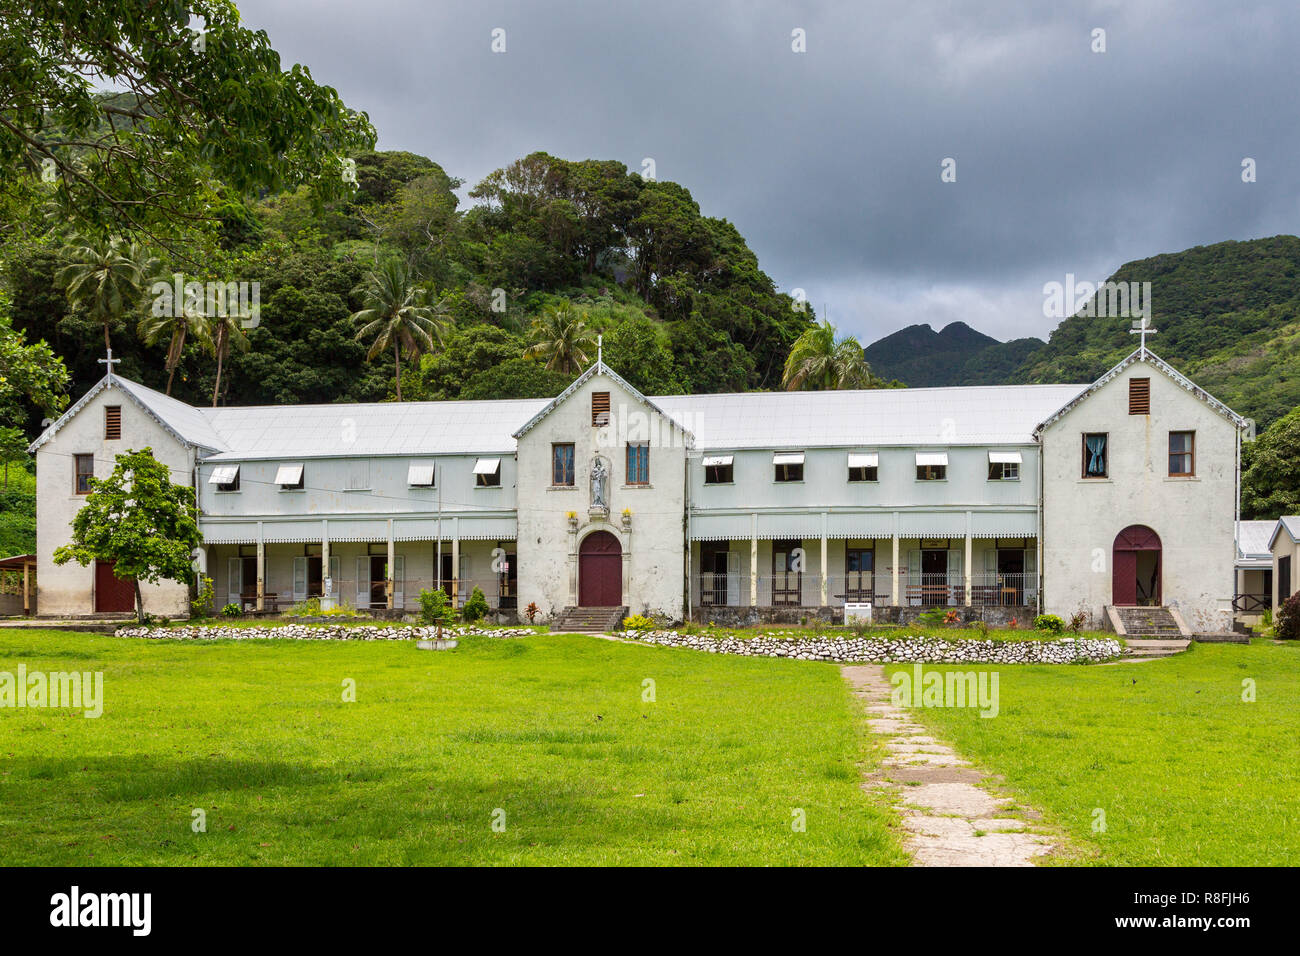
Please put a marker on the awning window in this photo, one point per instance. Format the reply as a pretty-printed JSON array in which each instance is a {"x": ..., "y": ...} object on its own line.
[
  {"x": 288, "y": 475},
  {"x": 1004, "y": 458},
  {"x": 487, "y": 466},
  {"x": 420, "y": 474},
  {"x": 862, "y": 460},
  {"x": 932, "y": 458},
  {"x": 224, "y": 475},
  {"x": 714, "y": 461},
  {"x": 787, "y": 458}
]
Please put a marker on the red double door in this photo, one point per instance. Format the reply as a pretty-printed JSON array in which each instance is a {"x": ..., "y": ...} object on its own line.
[
  {"x": 1136, "y": 573},
  {"x": 600, "y": 571},
  {"x": 112, "y": 594}
]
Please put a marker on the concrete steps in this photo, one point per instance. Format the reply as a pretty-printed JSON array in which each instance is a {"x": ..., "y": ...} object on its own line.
[
  {"x": 1148, "y": 622},
  {"x": 588, "y": 620},
  {"x": 1146, "y": 648}
]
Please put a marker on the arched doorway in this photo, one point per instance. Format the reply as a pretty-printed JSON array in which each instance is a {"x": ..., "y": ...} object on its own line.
[
  {"x": 1136, "y": 568},
  {"x": 600, "y": 571}
]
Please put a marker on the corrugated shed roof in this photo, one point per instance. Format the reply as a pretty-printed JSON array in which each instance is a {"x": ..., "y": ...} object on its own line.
[
  {"x": 971, "y": 415},
  {"x": 375, "y": 428},
  {"x": 1252, "y": 538}
]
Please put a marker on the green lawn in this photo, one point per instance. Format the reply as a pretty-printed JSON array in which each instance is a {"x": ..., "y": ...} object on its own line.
[
  {"x": 551, "y": 729},
  {"x": 1185, "y": 771}
]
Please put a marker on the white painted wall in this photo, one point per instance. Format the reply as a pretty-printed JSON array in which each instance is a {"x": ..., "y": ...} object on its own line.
[
  {"x": 653, "y": 544},
  {"x": 1193, "y": 516},
  {"x": 69, "y": 590}
]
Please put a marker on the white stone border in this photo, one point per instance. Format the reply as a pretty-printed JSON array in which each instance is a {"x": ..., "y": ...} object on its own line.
[{"x": 885, "y": 650}]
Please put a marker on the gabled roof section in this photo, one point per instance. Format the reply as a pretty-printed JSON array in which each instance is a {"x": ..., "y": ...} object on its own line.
[
  {"x": 185, "y": 423},
  {"x": 1146, "y": 356},
  {"x": 600, "y": 368},
  {"x": 1252, "y": 540},
  {"x": 1288, "y": 523}
]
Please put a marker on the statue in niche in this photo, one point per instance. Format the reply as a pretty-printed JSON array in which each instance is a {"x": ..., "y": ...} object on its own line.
[{"x": 599, "y": 481}]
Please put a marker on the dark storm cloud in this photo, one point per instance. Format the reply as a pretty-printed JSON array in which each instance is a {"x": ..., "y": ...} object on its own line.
[{"x": 828, "y": 161}]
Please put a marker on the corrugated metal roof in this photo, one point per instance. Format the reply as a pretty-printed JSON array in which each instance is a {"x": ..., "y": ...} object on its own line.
[
  {"x": 376, "y": 428},
  {"x": 1252, "y": 538},
  {"x": 976, "y": 415},
  {"x": 191, "y": 423},
  {"x": 971, "y": 415}
]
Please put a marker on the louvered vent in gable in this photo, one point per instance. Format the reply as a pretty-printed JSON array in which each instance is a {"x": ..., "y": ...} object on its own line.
[
  {"x": 1139, "y": 396},
  {"x": 112, "y": 422}
]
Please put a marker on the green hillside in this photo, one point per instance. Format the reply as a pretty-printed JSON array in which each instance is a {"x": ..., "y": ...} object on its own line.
[{"x": 1228, "y": 316}]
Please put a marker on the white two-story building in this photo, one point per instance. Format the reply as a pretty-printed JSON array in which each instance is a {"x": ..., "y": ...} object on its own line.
[{"x": 1001, "y": 501}]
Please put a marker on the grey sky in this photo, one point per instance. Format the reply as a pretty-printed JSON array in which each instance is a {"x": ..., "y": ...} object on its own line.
[{"x": 829, "y": 161}]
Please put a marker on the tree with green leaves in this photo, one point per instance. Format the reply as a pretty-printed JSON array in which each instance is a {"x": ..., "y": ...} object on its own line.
[
  {"x": 13, "y": 449},
  {"x": 561, "y": 339},
  {"x": 399, "y": 314},
  {"x": 1270, "y": 478},
  {"x": 174, "y": 325},
  {"x": 515, "y": 378},
  {"x": 106, "y": 279},
  {"x": 821, "y": 360},
  {"x": 141, "y": 521},
  {"x": 637, "y": 349},
  {"x": 225, "y": 333},
  {"x": 28, "y": 372},
  {"x": 205, "y": 112}
]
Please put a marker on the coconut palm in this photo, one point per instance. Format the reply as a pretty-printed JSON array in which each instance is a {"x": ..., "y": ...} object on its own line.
[
  {"x": 106, "y": 278},
  {"x": 225, "y": 332},
  {"x": 400, "y": 314},
  {"x": 183, "y": 322},
  {"x": 820, "y": 360},
  {"x": 560, "y": 336}
]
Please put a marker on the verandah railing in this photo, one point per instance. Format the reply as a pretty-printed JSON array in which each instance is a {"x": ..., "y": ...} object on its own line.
[{"x": 803, "y": 589}]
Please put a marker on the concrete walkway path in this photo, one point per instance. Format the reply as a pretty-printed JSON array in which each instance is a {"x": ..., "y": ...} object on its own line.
[{"x": 950, "y": 812}]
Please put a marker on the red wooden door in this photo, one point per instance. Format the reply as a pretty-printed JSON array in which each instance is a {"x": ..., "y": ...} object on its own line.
[
  {"x": 1124, "y": 581},
  {"x": 112, "y": 594},
  {"x": 600, "y": 571}
]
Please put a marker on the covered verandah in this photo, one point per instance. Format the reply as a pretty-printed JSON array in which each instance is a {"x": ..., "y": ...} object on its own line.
[
  {"x": 365, "y": 563},
  {"x": 894, "y": 559}
]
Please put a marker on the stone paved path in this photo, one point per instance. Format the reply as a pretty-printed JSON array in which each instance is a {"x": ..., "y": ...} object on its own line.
[{"x": 951, "y": 816}]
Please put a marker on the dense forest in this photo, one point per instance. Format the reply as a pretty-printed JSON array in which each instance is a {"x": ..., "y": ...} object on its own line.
[{"x": 679, "y": 296}]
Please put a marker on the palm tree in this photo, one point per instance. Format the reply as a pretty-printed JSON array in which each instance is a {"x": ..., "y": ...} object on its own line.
[
  {"x": 184, "y": 322},
  {"x": 224, "y": 333},
  {"x": 818, "y": 360},
  {"x": 400, "y": 315},
  {"x": 561, "y": 337},
  {"x": 106, "y": 278}
]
